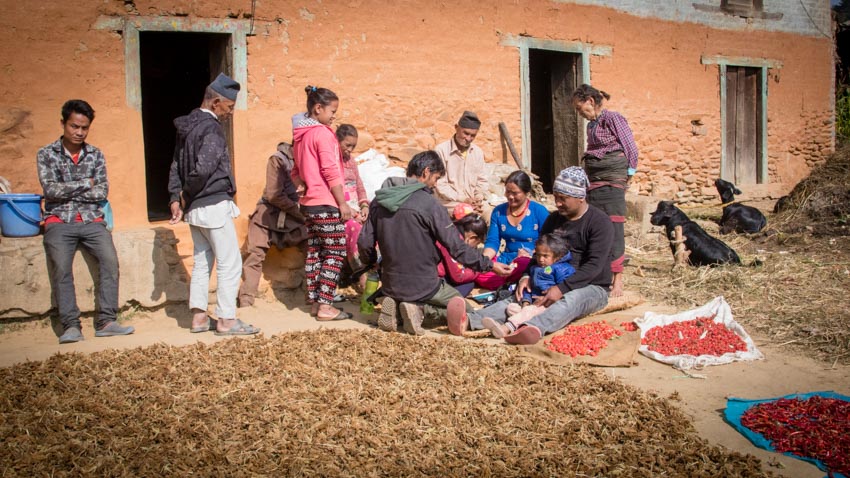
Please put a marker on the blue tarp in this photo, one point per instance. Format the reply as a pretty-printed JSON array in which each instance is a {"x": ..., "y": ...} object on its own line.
[{"x": 735, "y": 408}]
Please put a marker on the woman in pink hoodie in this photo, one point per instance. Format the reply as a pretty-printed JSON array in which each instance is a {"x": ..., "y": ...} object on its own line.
[{"x": 318, "y": 176}]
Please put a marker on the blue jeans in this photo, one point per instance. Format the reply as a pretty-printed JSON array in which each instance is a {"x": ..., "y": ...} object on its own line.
[
  {"x": 575, "y": 304},
  {"x": 60, "y": 243}
]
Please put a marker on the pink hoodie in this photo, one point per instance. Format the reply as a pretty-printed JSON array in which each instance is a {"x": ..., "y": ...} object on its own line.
[{"x": 317, "y": 160}]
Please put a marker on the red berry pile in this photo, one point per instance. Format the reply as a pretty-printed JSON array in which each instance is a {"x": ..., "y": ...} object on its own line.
[
  {"x": 628, "y": 326},
  {"x": 587, "y": 339},
  {"x": 812, "y": 428},
  {"x": 700, "y": 336}
]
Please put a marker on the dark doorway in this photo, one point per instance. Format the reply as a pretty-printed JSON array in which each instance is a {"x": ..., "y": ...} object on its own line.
[
  {"x": 557, "y": 138},
  {"x": 743, "y": 125},
  {"x": 176, "y": 67}
]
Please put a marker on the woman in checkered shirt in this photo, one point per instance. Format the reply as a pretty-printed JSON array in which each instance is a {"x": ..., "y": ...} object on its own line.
[{"x": 610, "y": 162}]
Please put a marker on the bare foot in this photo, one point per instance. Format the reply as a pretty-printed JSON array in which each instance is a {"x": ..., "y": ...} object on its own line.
[
  {"x": 617, "y": 286},
  {"x": 498, "y": 330},
  {"x": 199, "y": 318},
  {"x": 329, "y": 312}
]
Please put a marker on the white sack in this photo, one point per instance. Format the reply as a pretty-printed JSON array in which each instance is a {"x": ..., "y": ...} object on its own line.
[{"x": 723, "y": 312}]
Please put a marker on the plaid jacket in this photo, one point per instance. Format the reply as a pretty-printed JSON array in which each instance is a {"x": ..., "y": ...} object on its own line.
[
  {"x": 611, "y": 132},
  {"x": 66, "y": 185}
]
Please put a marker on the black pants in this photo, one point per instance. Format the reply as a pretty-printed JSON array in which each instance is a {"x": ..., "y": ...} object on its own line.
[
  {"x": 612, "y": 201},
  {"x": 60, "y": 243}
]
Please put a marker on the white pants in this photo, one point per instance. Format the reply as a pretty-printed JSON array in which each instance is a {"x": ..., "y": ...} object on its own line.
[{"x": 219, "y": 246}]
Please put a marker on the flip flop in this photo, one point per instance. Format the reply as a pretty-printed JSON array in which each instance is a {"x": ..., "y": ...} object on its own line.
[
  {"x": 525, "y": 335},
  {"x": 342, "y": 315},
  {"x": 210, "y": 325},
  {"x": 239, "y": 328},
  {"x": 456, "y": 316}
]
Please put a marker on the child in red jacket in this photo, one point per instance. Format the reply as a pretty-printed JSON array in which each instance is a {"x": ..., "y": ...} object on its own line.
[{"x": 473, "y": 230}]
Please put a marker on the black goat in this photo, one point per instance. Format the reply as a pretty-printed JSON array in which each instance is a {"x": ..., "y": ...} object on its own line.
[
  {"x": 736, "y": 216},
  {"x": 705, "y": 249}
]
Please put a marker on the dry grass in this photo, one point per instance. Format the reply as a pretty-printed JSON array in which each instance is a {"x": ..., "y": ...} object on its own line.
[{"x": 333, "y": 403}]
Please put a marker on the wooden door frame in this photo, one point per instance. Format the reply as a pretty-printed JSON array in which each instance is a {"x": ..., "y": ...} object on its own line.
[
  {"x": 764, "y": 64},
  {"x": 130, "y": 26},
  {"x": 524, "y": 44}
]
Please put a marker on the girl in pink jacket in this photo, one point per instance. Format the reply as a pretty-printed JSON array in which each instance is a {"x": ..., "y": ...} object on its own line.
[{"x": 318, "y": 176}]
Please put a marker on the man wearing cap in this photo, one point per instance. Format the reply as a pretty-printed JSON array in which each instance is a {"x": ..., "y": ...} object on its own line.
[
  {"x": 465, "y": 181},
  {"x": 202, "y": 187},
  {"x": 590, "y": 234}
]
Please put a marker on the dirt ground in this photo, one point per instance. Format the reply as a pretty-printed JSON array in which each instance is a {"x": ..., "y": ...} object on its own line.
[{"x": 780, "y": 373}]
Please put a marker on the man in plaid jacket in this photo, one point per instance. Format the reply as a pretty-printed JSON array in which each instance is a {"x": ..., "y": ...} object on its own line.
[{"x": 73, "y": 176}]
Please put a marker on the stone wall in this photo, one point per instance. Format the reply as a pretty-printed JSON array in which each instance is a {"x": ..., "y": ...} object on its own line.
[
  {"x": 805, "y": 17},
  {"x": 153, "y": 267}
]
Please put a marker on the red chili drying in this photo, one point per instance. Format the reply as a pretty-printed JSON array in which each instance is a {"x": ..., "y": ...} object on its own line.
[
  {"x": 628, "y": 326},
  {"x": 587, "y": 339},
  {"x": 700, "y": 336},
  {"x": 812, "y": 428}
]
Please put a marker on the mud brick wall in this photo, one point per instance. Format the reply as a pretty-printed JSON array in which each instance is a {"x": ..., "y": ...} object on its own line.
[{"x": 406, "y": 70}]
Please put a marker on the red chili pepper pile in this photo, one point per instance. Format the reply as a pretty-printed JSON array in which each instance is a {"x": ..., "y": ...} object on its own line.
[
  {"x": 812, "y": 428},
  {"x": 700, "y": 336},
  {"x": 587, "y": 339},
  {"x": 628, "y": 326}
]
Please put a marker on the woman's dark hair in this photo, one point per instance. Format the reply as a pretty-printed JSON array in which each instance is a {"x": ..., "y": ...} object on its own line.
[
  {"x": 473, "y": 223},
  {"x": 345, "y": 130},
  {"x": 426, "y": 159},
  {"x": 556, "y": 243},
  {"x": 585, "y": 92},
  {"x": 77, "y": 106},
  {"x": 319, "y": 96},
  {"x": 522, "y": 181}
]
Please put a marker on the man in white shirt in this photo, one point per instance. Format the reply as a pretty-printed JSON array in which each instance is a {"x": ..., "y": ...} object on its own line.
[{"x": 465, "y": 180}]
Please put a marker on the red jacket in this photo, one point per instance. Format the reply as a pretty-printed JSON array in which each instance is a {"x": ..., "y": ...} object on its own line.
[{"x": 457, "y": 273}]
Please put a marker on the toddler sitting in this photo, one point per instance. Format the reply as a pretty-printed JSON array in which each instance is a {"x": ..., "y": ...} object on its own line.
[{"x": 551, "y": 265}]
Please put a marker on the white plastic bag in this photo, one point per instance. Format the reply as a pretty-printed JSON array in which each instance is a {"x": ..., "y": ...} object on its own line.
[
  {"x": 722, "y": 314},
  {"x": 374, "y": 169}
]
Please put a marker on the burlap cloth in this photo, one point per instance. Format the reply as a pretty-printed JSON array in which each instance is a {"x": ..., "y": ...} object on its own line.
[{"x": 620, "y": 351}]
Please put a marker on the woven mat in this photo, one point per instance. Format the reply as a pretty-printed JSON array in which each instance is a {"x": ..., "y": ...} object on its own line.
[{"x": 620, "y": 352}]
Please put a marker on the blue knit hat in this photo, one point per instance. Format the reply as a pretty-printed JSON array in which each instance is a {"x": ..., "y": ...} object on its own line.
[
  {"x": 571, "y": 182},
  {"x": 226, "y": 86}
]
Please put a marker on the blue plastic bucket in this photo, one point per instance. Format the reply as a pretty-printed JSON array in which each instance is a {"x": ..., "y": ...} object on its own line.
[{"x": 20, "y": 214}]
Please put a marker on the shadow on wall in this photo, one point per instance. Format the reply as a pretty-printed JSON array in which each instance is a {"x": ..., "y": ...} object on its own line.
[
  {"x": 170, "y": 277},
  {"x": 283, "y": 274}
]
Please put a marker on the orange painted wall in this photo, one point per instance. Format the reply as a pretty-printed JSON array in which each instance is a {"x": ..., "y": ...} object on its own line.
[{"x": 405, "y": 71}]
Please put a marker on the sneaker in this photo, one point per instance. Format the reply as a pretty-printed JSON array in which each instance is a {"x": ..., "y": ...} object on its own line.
[
  {"x": 412, "y": 316},
  {"x": 456, "y": 315},
  {"x": 113, "y": 328},
  {"x": 387, "y": 320},
  {"x": 71, "y": 335}
]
